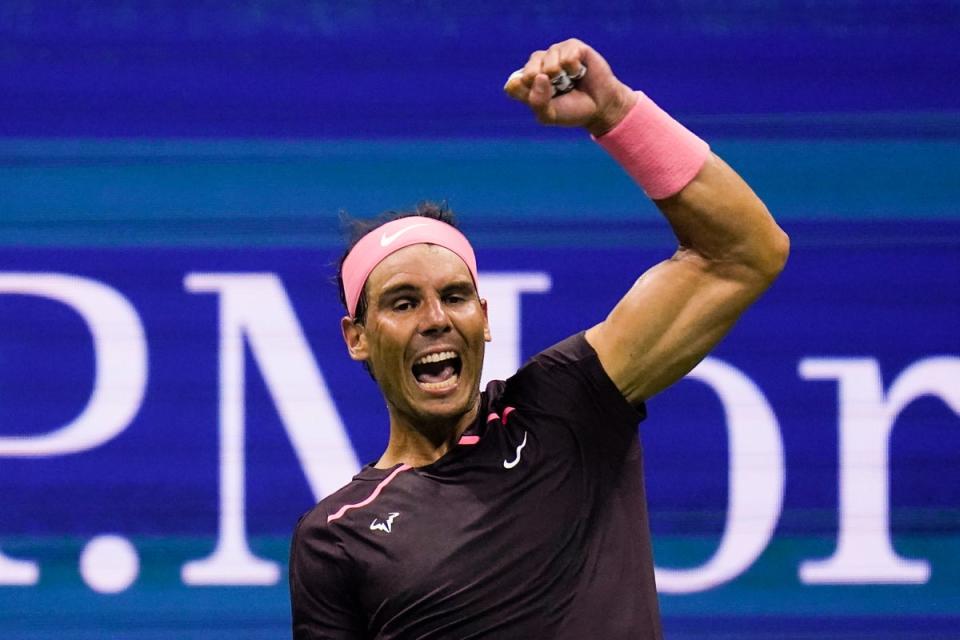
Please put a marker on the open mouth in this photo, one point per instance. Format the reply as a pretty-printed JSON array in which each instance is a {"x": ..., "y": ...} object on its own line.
[{"x": 438, "y": 371}]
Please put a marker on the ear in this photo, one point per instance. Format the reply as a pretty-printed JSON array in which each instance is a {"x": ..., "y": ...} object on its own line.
[
  {"x": 486, "y": 321},
  {"x": 355, "y": 338}
]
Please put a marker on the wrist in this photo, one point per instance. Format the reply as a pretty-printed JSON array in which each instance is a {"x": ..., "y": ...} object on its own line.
[
  {"x": 614, "y": 112},
  {"x": 659, "y": 153}
]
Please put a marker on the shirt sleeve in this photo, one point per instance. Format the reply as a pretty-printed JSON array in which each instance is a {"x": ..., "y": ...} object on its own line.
[
  {"x": 567, "y": 384},
  {"x": 321, "y": 596}
]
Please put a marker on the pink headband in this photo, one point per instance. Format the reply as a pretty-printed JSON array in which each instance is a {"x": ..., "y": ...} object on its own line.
[{"x": 390, "y": 238}]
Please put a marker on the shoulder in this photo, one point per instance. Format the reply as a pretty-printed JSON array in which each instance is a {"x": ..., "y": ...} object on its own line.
[
  {"x": 315, "y": 523},
  {"x": 320, "y": 556},
  {"x": 572, "y": 351},
  {"x": 322, "y": 575},
  {"x": 559, "y": 362},
  {"x": 569, "y": 376}
]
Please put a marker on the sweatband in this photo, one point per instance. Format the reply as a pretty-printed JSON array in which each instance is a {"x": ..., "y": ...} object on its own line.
[
  {"x": 389, "y": 238},
  {"x": 659, "y": 153}
]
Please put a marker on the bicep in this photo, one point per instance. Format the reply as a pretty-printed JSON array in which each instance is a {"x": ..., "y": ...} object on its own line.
[{"x": 670, "y": 319}]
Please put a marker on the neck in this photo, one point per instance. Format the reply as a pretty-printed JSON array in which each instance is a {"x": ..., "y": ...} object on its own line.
[{"x": 418, "y": 442}]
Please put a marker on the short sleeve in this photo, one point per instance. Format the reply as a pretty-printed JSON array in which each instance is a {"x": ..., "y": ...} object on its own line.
[
  {"x": 321, "y": 595},
  {"x": 567, "y": 385},
  {"x": 570, "y": 373}
]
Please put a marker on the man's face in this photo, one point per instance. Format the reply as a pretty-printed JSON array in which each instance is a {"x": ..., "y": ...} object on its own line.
[{"x": 424, "y": 333}]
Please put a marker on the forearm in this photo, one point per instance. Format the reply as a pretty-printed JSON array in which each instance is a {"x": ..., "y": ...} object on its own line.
[
  {"x": 714, "y": 213},
  {"x": 718, "y": 218}
]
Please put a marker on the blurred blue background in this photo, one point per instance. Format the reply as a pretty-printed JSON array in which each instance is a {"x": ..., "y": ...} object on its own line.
[{"x": 144, "y": 141}]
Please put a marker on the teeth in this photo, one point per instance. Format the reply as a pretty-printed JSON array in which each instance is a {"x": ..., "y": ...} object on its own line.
[
  {"x": 439, "y": 386},
  {"x": 437, "y": 357}
]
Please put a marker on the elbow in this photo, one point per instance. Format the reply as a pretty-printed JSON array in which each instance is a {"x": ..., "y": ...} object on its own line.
[
  {"x": 758, "y": 264},
  {"x": 772, "y": 258},
  {"x": 779, "y": 251},
  {"x": 755, "y": 263}
]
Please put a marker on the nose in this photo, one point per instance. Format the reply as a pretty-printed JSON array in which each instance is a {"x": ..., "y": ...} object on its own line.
[{"x": 433, "y": 317}]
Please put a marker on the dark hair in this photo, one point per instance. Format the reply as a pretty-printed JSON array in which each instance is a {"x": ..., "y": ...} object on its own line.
[{"x": 357, "y": 228}]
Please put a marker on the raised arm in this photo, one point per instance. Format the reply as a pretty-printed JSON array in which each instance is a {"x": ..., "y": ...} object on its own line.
[{"x": 730, "y": 248}]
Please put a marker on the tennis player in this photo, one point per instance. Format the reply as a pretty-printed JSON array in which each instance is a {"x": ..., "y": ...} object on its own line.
[{"x": 519, "y": 511}]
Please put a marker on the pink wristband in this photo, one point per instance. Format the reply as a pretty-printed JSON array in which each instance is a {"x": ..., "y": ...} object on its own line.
[{"x": 658, "y": 152}]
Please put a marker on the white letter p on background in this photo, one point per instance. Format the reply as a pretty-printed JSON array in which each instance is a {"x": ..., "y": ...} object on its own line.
[{"x": 120, "y": 353}]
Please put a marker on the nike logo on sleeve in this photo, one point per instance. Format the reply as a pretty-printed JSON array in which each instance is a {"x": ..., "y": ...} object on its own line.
[{"x": 512, "y": 463}]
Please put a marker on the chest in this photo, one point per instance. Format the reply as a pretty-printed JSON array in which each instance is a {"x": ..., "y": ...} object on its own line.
[{"x": 499, "y": 524}]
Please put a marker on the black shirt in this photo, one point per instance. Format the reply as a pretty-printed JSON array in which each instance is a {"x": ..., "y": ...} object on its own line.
[{"x": 534, "y": 526}]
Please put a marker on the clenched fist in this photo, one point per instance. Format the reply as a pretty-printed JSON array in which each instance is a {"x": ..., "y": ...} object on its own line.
[{"x": 598, "y": 100}]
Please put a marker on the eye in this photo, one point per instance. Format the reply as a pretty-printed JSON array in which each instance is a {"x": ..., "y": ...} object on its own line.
[
  {"x": 403, "y": 304},
  {"x": 453, "y": 298}
]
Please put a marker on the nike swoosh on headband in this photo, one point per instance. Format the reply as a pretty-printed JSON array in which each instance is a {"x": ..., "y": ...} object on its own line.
[
  {"x": 372, "y": 248},
  {"x": 387, "y": 240}
]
